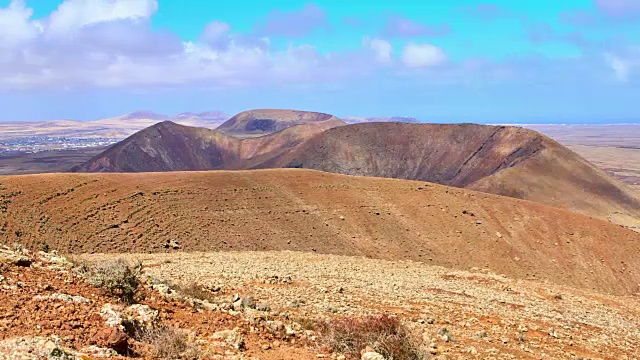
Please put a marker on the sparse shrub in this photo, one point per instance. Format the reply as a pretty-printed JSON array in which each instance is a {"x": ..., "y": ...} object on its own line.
[
  {"x": 171, "y": 344},
  {"x": 116, "y": 276},
  {"x": 195, "y": 291},
  {"x": 307, "y": 323},
  {"x": 385, "y": 334},
  {"x": 44, "y": 247}
]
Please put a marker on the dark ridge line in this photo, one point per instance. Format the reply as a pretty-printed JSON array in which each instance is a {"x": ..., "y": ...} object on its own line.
[{"x": 474, "y": 154}]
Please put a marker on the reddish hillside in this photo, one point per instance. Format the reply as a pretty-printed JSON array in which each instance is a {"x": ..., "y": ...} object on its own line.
[
  {"x": 267, "y": 121},
  {"x": 502, "y": 160},
  {"x": 509, "y": 161},
  {"x": 291, "y": 209},
  {"x": 168, "y": 146}
]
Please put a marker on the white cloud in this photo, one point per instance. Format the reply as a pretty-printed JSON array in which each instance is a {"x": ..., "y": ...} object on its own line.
[
  {"x": 621, "y": 67},
  {"x": 15, "y": 24},
  {"x": 111, "y": 43},
  {"x": 74, "y": 14},
  {"x": 382, "y": 49},
  {"x": 422, "y": 55}
]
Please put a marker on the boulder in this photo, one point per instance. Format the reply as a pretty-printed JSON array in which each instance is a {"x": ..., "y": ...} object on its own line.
[{"x": 113, "y": 338}]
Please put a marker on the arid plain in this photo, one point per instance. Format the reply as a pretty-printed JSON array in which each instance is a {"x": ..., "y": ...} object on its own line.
[{"x": 614, "y": 148}]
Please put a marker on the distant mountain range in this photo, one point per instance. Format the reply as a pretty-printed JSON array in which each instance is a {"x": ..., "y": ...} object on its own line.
[
  {"x": 358, "y": 120},
  {"x": 122, "y": 126},
  {"x": 214, "y": 117}
]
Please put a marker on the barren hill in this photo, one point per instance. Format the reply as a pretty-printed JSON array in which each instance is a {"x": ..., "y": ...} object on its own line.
[
  {"x": 267, "y": 121},
  {"x": 168, "y": 146},
  {"x": 502, "y": 160},
  {"x": 302, "y": 210}
]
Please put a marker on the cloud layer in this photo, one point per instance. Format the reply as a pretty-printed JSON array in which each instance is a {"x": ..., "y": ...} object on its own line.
[{"x": 112, "y": 43}]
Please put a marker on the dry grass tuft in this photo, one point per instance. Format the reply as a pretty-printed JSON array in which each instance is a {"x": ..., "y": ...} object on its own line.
[
  {"x": 171, "y": 344},
  {"x": 195, "y": 291},
  {"x": 385, "y": 334}
]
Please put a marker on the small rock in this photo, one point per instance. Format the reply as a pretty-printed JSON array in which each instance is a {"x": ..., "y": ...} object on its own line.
[
  {"x": 289, "y": 330},
  {"x": 263, "y": 307},
  {"x": 446, "y": 335},
  {"x": 213, "y": 289},
  {"x": 231, "y": 337},
  {"x": 275, "y": 326},
  {"x": 23, "y": 261},
  {"x": 480, "y": 334},
  {"x": 113, "y": 338},
  {"x": 370, "y": 354},
  {"x": 140, "y": 317},
  {"x": 112, "y": 314},
  {"x": 248, "y": 302}
]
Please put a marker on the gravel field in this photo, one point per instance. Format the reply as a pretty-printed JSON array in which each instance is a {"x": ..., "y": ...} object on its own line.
[{"x": 487, "y": 315}]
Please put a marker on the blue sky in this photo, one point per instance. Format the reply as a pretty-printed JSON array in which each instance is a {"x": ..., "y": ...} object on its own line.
[{"x": 443, "y": 61}]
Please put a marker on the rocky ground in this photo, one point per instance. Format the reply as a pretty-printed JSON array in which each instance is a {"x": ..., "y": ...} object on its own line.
[
  {"x": 267, "y": 305},
  {"x": 459, "y": 315},
  {"x": 47, "y": 311}
]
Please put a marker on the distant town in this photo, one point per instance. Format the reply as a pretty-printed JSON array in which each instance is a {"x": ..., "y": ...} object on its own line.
[{"x": 46, "y": 143}]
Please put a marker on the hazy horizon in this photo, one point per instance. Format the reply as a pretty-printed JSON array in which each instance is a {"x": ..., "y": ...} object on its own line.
[
  {"x": 574, "y": 61},
  {"x": 423, "y": 120}
]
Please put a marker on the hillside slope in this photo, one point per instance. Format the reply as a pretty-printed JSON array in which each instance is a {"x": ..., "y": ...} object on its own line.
[
  {"x": 267, "y": 121},
  {"x": 302, "y": 210},
  {"x": 168, "y": 146},
  {"x": 508, "y": 161}
]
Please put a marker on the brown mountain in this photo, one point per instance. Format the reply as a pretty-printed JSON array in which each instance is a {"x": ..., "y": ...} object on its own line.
[
  {"x": 304, "y": 210},
  {"x": 266, "y": 121},
  {"x": 508, "y": 161},
  {"x": 502, "y": 160},
  {"x": 168, "y": 146}
]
